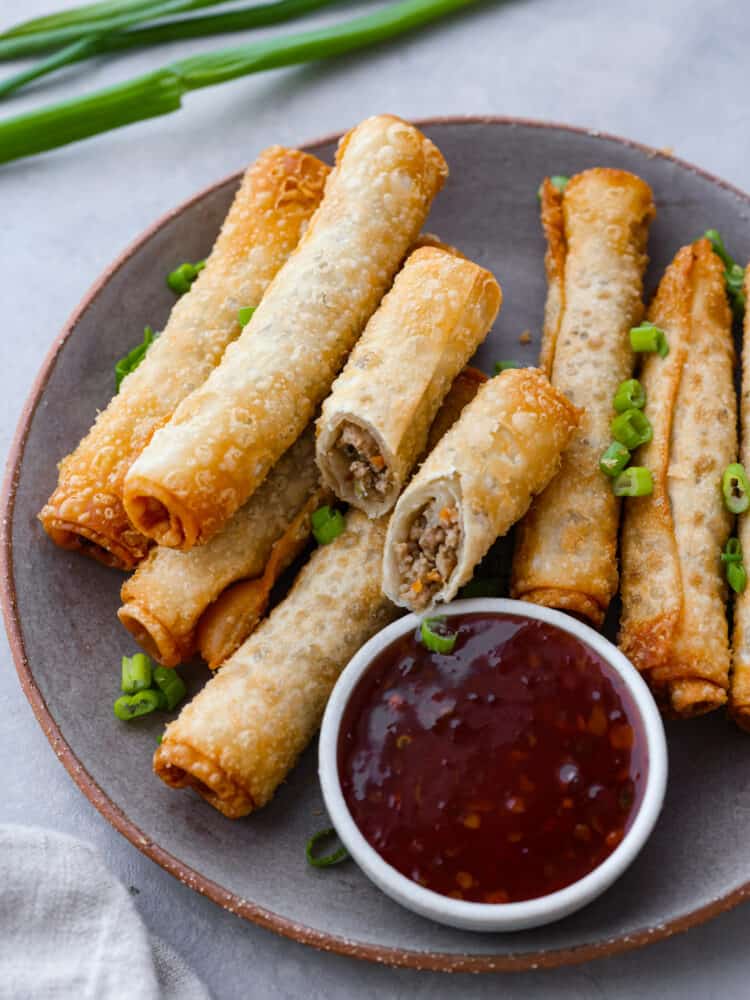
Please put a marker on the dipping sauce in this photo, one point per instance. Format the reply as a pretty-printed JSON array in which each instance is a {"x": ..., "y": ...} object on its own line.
[{"x": 502, "y": 771}]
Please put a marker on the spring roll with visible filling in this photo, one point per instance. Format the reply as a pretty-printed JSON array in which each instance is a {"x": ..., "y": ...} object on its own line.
[
  {"x": 566, "y": 554},
  {"x": 166, "y": 597},
  {"x": 374, "y": 425},
  {"x": 739, "y": 698},
  {"x": 674, "y": 624},
  {"x": 239, "y": 738},
  {"x": 224, "y": 439},
  {"x": 276, "y": 198},
  {"x": 476, "y": 483}
]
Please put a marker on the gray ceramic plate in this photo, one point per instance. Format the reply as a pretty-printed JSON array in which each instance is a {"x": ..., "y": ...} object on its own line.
[{"x": 60, "y": 608}]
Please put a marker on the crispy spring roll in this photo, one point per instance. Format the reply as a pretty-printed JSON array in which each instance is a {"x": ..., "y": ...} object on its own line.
[
  {"x": 674, "y": 624},
  {"x": 739, "y": 698},
  {"x": 566, "y": 553},
  {"x": 166, "y": 597},
  {"x": 277, "y": 197},
  {"x": 476, "y": 483},
  {"x": 374, "y": 425},
  {"x": 224, "y": 439},
  {"x": 239, "y": 738}
]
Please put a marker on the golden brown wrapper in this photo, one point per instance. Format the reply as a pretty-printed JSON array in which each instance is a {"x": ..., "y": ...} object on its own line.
[
  {"x": 224, "y": 439},
  {"x": 425, "y": 330},
  {"x": 505, "y": 448},
  {"x": 739, "y": 697},
  {"x": 566, "y": 551},
  {"x": 674, "y": 625},
  {"x": 276, "y": 198},
  {"x": 169, "y": 593},
  {"x": 239, "y": 738}
]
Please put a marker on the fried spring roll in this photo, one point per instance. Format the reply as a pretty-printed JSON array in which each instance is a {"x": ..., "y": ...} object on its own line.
[
  {"x": 566, "y": 553},
  {"x": 239, "y": 738},
  {"x": 374, "y": 425},
  {"x": 277, "y": 197},
  {"x": 224, "y": 439},
  {"x": 674, "y": 625},
  {"x": 739, "y": 701},
  {"x": 170, "y": 591},
  {"x": 476, "y": 483}
]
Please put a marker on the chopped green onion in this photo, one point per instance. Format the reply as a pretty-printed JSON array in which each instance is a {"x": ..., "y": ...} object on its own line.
[
  {"x": 648, "y": 337},
  {"x": 133, "y": 358},
  {"x": 132, "y": 706},
  {"x": 736, "y": 577},
  {"x": 559, "y": 181},
  {"x": 504, "y": 366},
  {"x": 734, "y": 275},
  {"x": 635, "y": 481},
  {"x": 732, "y": 551},
  {"x": 630, "y": 395},
  {"x": 171, "y": 685},
  {"x": 324, "y": 860},
  {"x": 614, "y": 459},
  {"x": 736, "y": 488},
  {"x": 245, "y": 314},
  {"x": 183, "y": 276},
  {"x": 632, "y": 428},
  {"x": 136, "y": 673},
  {"x": 327, "y": 524},
  {"x": 436, "y": 636},
  {"x": 490, "y": 586}
]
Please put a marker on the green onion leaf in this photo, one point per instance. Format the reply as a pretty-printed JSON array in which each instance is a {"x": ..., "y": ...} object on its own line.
[
  {"x": 632, "y": 428},
  {"x": 136, "y": 673},
  {"x": 324, "y": 860},
  {"x": 183, "y": 276},
  {"x": 630, "y": 395},
  {"x": 171, "y": 686},
  {"x": 327, "y": 524},
  {"x": 436, "y": 635},
  {"x": 245, "y": 314},
  {"x": 736, "y": 577},
  {"x": 635, "y": 481},
  {"x": 559, "y": 181},
  {"x": 504, "y": 366},
  {"x": 649, "y": 338},
  {"x": 736, "y": 488},
  {"x": 490, "y": 586},
  {"x": 614, "y": 459},
  {"x": 732, "y": 551},
  {"x": 133, "y": 358},
  {"x": 133, "y": 706},
  {"x": 734, "y": 274}
]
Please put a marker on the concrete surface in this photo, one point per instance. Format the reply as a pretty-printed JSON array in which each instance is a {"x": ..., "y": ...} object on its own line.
[{"x": 664, "y": 72}]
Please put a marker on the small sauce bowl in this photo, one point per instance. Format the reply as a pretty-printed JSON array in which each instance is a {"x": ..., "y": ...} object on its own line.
[{"x": 526, "y": 912}]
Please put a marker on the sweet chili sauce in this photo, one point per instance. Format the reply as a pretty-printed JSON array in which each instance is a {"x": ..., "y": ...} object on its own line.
[{"x": 502, "y": 771}]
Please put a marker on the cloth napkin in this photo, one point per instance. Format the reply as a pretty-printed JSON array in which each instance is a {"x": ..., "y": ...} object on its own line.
[{"x": 69, "y": 929}]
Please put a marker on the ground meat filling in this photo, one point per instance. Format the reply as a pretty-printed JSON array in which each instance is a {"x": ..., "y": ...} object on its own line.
[
  {"x": 429, "y": 555},
  {"x": 367, "y": 470}
]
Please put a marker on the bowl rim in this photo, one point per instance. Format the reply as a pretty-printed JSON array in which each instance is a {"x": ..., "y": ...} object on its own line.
[
  {"x": 494, "y": 916},
  {"x": 404, "y": 957}
]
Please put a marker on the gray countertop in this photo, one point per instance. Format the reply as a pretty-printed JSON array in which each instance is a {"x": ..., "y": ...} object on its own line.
[{"x": 667, "y": 73}]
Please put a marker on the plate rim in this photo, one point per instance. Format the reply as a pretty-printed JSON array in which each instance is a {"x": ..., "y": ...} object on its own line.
[{"x": 324, "y": 941}]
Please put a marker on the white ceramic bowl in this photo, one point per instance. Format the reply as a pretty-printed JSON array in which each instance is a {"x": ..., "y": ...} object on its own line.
[{"x": 494, "y": 916}]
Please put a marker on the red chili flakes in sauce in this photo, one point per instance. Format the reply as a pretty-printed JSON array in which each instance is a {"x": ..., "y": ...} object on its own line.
[{"x": 502, "y": 771}]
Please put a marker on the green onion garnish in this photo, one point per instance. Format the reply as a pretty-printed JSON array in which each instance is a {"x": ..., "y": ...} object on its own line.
[
  {"x": 133, "y": 358},
  {"x": 732, "y": 551},
  {"x": 736, "y": 488},
  {"x": 171, "y": 685},
  {"x": 324, "y": 860},
  {"x": 632, "y": 428},
  {"x": 614, "y": 459},
  {"x": 183, "y": 276},
  {"x": 504, "y": 366},
  {"x": 327, "y": 524},
  {"x": 559, "y": 181},
  {"x": 630, "y": 395},
  {"x": 132, "y": 706},
  {"x": 736, "y": 577},
  {"x": 244, "y": 315},
  {"x": 635, "y": 481},
  {"x": 436, "y": 636},
  {"x": 136, "y": 673},
  {"x": 734, "y": 275},
  {"x": 648, "y": 337},
  {"x": 490, "y": 586}
]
